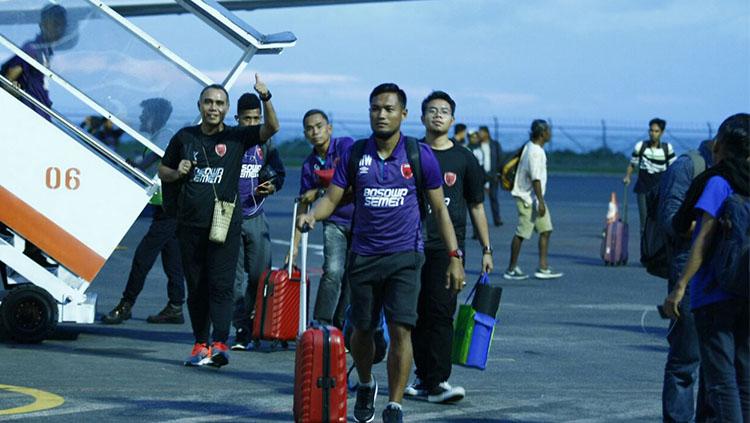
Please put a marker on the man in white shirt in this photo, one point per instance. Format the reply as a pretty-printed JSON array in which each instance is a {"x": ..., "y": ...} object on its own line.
[{"x": 531, "y": 177}]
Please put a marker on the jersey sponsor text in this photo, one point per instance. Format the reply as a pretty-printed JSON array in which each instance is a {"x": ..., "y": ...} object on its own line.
[
  {"x": 208, "y": 175},
  {"x": 384, "y": 197},
  {"x": 250, "y": 171}
]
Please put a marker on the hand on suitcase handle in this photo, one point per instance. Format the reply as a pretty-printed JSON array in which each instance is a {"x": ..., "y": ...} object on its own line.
[{"x": 305, "y": 222}]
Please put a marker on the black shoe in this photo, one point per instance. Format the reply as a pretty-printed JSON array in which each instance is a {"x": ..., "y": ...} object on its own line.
[
  {"x": 118, "y": 314},
  {"x": 241, "y": 340},
  {"x": 170, "y": 314},
  {"x": 364, "y": 408},
  {"x": 446, "y": 394}
]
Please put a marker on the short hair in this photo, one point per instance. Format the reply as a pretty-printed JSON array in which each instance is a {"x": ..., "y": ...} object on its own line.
[
  {"x": 314, "y": 112},
  {"x": 54, "y": 12},
  {"x": 214, "y": 87},
  {"x": 484, "y": 128},
  {"x": 459, "y": 127},
  {"x": 248, "y": 101},
  {"x": 159, "y": 108},
  {"x": 538, "y": 128},
  {"x": 734, "y": 135},
  {"x": 389, "y": 87},
  {"x": 439, "y": 95},
  {"x": 661, "y": 123}
]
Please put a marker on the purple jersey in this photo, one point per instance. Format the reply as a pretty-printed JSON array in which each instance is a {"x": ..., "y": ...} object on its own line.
[
  {"x": 31, "y": 80},
  {"x": 252, "y": 162},
  {"x": 386, "y": 216},
  {"x": 310, "y": 180}
]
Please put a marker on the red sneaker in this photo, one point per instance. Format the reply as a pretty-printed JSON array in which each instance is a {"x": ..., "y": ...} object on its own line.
[{"x": 199, "y": 356}]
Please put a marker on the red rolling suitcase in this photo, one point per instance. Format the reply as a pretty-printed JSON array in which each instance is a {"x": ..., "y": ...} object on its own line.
[
  {"x": 319, "y": 366},
  {"x": 614, "y": 250},
  {"x": 277, "y": 303},
  {"x": 320, "y": 376}
]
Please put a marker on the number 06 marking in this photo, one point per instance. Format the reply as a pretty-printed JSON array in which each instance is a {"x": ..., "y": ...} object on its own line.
[{"x": 53, "y": 178}]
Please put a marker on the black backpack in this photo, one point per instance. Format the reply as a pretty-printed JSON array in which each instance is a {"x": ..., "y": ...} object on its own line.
[
  {"x": 654, "y": 242},
  {"x": 413, "y": 156},
  {"x": 730, "y": 252}
]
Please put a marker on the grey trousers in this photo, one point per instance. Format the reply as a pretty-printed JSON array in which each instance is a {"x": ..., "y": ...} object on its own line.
[
  {"x": 254, "y": 259},
  {"x": 333, "y": 292}
]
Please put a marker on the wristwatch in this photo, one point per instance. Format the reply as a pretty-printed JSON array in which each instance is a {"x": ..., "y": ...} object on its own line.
[
  {"x": 487, "y": 250},
  {"x": 457, "y": 253},
  {"x": 266, "y": 97}
]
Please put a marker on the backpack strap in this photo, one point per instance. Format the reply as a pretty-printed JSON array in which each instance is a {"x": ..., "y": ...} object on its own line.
[
  {"x": 357, "y": 151},
  {"x": 415, "y": 161},
  {"x": 665, "y": 149},
  {"x": 644, "y": 146},
  {"x": 699, "y": 163}
]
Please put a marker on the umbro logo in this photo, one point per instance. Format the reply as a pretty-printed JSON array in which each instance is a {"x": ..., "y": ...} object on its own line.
[{"x": 364, "y": 164}]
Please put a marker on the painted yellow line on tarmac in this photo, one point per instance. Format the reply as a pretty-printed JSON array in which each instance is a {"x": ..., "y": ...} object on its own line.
[{"x": 42, "y": 400}]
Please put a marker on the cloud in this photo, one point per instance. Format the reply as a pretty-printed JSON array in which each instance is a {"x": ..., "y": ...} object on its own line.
[
  {"x": 296, "y": 78},
  {"x": 502, "y": 99}
]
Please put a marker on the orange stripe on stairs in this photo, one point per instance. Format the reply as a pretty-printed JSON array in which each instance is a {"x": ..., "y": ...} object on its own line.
[{"x": 48, "y": 236}]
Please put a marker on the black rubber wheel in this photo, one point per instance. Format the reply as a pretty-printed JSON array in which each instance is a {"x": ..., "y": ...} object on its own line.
[{"x": 28, "y": 313}]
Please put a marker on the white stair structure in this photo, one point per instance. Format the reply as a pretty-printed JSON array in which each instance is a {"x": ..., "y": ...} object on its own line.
[{"x": 62, "y": 189}]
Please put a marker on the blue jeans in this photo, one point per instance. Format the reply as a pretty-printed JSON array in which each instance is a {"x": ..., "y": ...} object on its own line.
[
  {"x": 682, "y": 368},
  {"x": 333, "y": 292},
  {"x": 725, "y": 352},
  {"x": 254, "y": 259}
]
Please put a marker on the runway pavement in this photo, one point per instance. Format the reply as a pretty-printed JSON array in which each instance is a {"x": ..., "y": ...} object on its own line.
[{"x": 589, "y": 347}]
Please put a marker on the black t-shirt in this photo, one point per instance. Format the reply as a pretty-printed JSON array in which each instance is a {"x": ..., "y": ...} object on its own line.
[
  {"x": 219, "y": 162},
  {"x": 463, "y": 184}
]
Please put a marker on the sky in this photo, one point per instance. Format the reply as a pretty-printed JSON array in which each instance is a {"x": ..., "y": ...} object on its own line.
[{"x": 577, "y": 60}]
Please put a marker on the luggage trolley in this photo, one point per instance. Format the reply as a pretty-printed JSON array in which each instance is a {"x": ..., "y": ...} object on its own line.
[{"x": 62, "y": 189}]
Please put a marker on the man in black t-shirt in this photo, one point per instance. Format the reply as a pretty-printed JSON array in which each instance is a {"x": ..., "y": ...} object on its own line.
[
  {"x": 206, "y": 161},
  {"x": 463, "y": 181}
]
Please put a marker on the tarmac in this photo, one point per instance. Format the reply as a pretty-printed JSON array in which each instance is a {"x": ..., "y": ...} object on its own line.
[{"x": 589, "y": 347}]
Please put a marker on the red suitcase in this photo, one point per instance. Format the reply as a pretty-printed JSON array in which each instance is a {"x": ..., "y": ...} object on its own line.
[
  {"x": 277, "y": 306},
  {"x": 320, "y": 376},
  {"x": 614, "y": 250},
  {"x": 277, "y": 302}
]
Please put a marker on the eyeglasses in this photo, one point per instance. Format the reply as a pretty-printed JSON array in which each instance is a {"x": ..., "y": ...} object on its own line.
[{"x": 445, "y": 111}]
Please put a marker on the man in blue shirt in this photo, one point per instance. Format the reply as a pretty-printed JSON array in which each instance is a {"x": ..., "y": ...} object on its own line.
[
  {"x": 683, "y": 359},
  {"x": 386, "y": 253},
  {"x": 317, "y": 172},
  {"x": 258, "y": 162},
  {"x": 722, "y": 319}
]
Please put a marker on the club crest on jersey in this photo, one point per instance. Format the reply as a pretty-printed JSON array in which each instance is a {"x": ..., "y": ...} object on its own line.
[
  {"x": 449, "y": 178},
  {"x": 259, "y": 152},
  {"x": 220, "y": 149},
  {"x": 406, "y": 171}
]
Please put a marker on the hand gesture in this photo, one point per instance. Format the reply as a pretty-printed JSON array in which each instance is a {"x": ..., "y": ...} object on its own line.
[
  {"x": 185, "y": 167},
  {"x": 260, "y": 86}
]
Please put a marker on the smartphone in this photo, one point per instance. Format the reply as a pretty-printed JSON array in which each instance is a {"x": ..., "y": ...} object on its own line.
[{"x": 663, "y": 315}]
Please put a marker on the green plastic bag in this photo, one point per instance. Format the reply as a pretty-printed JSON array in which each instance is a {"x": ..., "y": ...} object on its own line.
[{"x": 464, "y": 328}]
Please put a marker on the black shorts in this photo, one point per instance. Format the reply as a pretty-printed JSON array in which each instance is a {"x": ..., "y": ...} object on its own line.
[{"x": 390, "y": 282}]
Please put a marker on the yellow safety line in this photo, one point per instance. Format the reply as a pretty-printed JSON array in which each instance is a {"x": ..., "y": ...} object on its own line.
[{"x": 42, "y": 400}]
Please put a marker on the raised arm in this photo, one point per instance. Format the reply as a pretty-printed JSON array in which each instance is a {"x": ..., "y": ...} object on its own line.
[{"x": 270, "y": 121}]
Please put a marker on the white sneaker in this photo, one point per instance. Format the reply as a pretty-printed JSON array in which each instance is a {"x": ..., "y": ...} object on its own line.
[
  {"x": 547, "y": 273},
  {"x": 515, "y": 274},
  {"x": 416, "y": 389},
  {"x": 445, "y": 393}
]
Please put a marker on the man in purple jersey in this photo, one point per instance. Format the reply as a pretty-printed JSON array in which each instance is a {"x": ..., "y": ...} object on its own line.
[
  {"x": 262, "y": 175},
  {"x": 386, "y": 253},
  {"x": 317, "y": 171}
]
